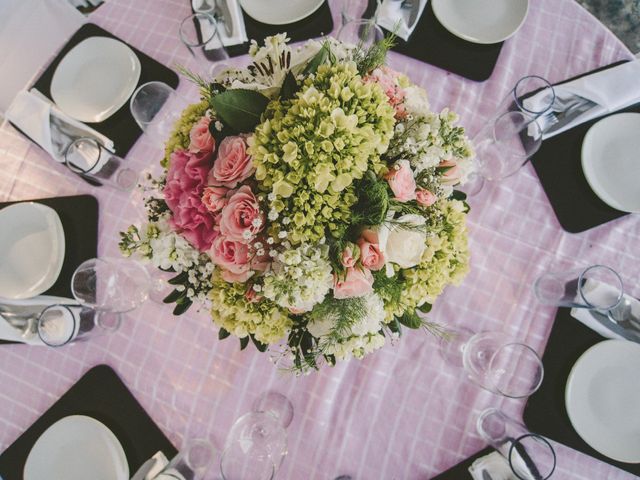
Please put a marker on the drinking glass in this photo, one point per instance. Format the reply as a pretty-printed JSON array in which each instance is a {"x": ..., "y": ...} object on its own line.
[
  {"x": 495, "y": 362},
  {"x": 200, "y": 34},
  {"x": 88, "y": 158},
  {"x": 60, "y": 324},
  {"x": 277, "y": 405},
  {"x": 363, "y": 33},
  {"x": 502, "y": 147},
  {"x": 530, "y": 456},
  {"x": 255, "y": 448},
  {"x": 526, "y": 87},
  {"x": 577, "y": 288},
  {"x": 156, "y": 107},
  {"x": 111, "y": 285},
  {"x": 191, "y": 463}
]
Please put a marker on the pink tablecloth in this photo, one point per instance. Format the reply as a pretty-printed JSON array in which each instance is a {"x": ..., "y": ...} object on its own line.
[{"x": 399, "y": 414}]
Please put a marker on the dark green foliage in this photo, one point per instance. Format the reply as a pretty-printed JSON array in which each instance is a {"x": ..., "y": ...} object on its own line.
[{"x": 240, "y": 109}]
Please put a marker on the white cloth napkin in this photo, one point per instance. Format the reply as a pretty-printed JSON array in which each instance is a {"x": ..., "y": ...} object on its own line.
[
  {"x": 46, "y": 125},
  {"x": 603, "y": 290},
  {"x": 13, "y": 334},
  {"x": 495, "y": 465},
  {"x": 237, "y": 20},
  {"x": 151, "y": 468},
  {"x": 612, "y": 89},
  {"x": 390, "y": 15}
]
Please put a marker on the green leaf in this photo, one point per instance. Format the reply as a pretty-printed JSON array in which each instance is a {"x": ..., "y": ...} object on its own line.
[
  {"x": 289, "y": 87},
  {"x": 425, "y": 307},
  {"x": 410, "y": 320},
  {"x": 222, "y": 334},
  {"x": 182, "y": 306},
  {"x": 240, "y": 109},
  {"x": 178, "y": 279},
  {"x": 318, "y": 59},
  {"x": 244, "y": 341},
  {"x": 395, "y": 326},
  {"x": 458, "y": 195},
  {"x": 174, "y": 296},
  {"x": 262, "y": 347}
]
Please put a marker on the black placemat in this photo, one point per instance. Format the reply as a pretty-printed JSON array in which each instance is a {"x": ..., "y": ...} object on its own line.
[
  {"x": 317, "y": 24},
  {"x": 545, "y": 412},
  {"x": 99, "y": 394},
  {"x": 79, "y": 217},
  {"x": 430, "y": 42},
  {"x": 461, "y": 470},
  {"x": 119, "y": 127},
  {"x": 559, "y": 168}
]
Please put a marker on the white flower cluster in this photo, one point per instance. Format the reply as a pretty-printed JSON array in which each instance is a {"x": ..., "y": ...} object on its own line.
[
  {"x": 170, "y": 249},
  {"x": 299, "y": 278},
  {"x": 363, "y": 337}
]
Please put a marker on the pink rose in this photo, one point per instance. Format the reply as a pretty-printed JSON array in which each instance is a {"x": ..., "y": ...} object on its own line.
[
  {"x": 348, "y": 259},
  {"x": 200, "y": 137},
  {"x": 387, "y": 79},
  {"x": 215, "y": 198},
  {"x": 233, "y": 164},
  {"x": 425, "y": 197},
  {"x": 252, "y": 296},
  {"x": 357, "y": 283},
  {"x": 453, "y": 173},
  {"x": 241, "y": 218},
  {"x": 401, "y": 181},
  {"x": 233, "y": 257},
  {"x": 183, "y": 191},
  {"x": 370, "y": 255}
]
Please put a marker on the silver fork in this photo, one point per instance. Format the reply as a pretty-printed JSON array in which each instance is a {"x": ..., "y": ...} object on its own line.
[{"x": 564, "y": 110}]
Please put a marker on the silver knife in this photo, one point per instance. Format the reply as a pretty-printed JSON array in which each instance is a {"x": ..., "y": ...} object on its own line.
[
  {"x": 224, "y": 16},
  {"x": 605, "y": 321},
  {"x": 486, "y": 476},
  {"x": 413, "y": 15}
]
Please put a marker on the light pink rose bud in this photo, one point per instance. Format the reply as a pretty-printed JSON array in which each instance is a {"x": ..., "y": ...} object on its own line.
[
  {"x": 370, "y": 255},
  {"x": 233, "y": 257},
  {"x": 401, "y": 181},
  {"x": 233, "y": 165},
  {"x": 215, "y": 198},
  {"x": 357, "y": 283},
  {"x": 425, "y": 197},
  {"x": 453, "y": 173},
  {"x": 350, "y": 255},
  {"x": 200, "y": 137},
  {"x": 241, "y": 218}
]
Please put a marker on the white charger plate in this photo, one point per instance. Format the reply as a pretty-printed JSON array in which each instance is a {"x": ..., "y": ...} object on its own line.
[
  {"x": 32, "y": 249},
  {"x": 603, "y": 399},
  {"x": 280, "y": 12},
  {"x": 611, "y": 160},
  {"x": 481, "y": 21},
  {"x": 95, "y": 79},
  {"x": 77, "y": 448}
]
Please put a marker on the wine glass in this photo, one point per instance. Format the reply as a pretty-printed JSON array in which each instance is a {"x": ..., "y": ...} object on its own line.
[
  {"x": 111, "y": 285},
  {"x": 530, "y": 456},
  {"x": 495, "y": 362},
  {"x": 363, "y": 33},
  {"x": 88, "y": 158},
  {"x": 502, "y": 147},
  {"x": 520, "y": 97},
  {"x": 191, "y": 463},
  {"x": 156, "y": 107},
  {"x": 255, "y": 448},
  {"x": 277, "y": 405},
  {"x": 200, "y": 34},
  {"x": 59, "y": 324}
]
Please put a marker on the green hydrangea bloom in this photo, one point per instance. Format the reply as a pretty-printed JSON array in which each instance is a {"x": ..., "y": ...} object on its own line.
[
  {"x": 179, "y": 138},
  {"x": 309, "y": 150},
  {"x": 232, "y": 311},
  {"x": 445, "y": 260}
]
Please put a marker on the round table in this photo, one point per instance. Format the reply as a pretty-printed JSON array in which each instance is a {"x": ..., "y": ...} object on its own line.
[{"x": 399, "y": 414}]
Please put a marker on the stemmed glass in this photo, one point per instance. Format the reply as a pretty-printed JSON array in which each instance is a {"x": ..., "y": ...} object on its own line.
[
  {"x": 363, "y": 33},
  {"x": 530, "y": 456},
  {"x": 502, "y": 147},
  {"x": 200, "y": 34},
  {"x": 520, "y": 97},
  {"x": 495, "y": 362},
  {"x": 191, "y": 463},
  {"x": 59, "y": 324},
  {"x": 257, "y": 442},
  {"x": 112, "y": 285},
  {"x": 88, "y": 158},
  {"x": 156, "y": 107}
]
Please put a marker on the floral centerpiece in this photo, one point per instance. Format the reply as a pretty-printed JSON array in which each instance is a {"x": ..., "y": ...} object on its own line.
[{"x": 308, "y": 202}]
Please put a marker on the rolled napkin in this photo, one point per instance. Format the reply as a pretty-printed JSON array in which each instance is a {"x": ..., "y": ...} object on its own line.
[
  {"x": 47, "y": 125},
  {"x": 598, "y": 289},
  {"x": 392, "y": 17},
  {"x": 493, "y": 466},
  {"x": 152, "y": 467},
  {"x": 32, "y": 306},
  {"x": 611, "y": 89},
  {"x": 239, "y": 33}
]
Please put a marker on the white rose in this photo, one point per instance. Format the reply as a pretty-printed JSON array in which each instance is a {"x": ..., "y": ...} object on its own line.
[{"x": 401, "y": 246}]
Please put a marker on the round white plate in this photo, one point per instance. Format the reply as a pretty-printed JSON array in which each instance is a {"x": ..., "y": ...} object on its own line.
[
  {"x": 280, "y": 12},
  {"x": 95, "y": 79},
  {"x": 481, "y": 21},
  {"x": 603, "y": 399},
  {"x": 77, "y": 448},
  {"x": 611, "y": 160},
  {"x": 31, "y": 249}
]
